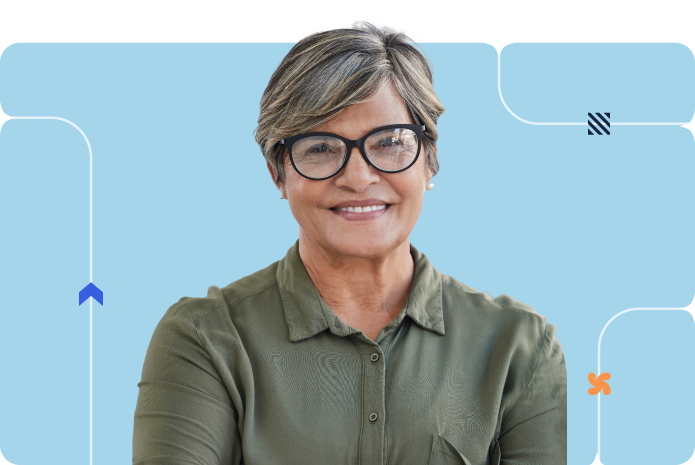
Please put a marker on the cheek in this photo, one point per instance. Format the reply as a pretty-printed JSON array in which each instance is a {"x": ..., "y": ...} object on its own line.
[
  {"x": 304, "y": 195},
  {"x": 409, "y": 185}
]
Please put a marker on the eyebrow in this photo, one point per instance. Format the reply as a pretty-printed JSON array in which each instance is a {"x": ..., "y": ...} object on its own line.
[{"x": 364, "y": 134}]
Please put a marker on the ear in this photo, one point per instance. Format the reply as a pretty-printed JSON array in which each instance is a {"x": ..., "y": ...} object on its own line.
[
  {"x": 430, "y": 174},
  {"x": 273, "y": 174}
]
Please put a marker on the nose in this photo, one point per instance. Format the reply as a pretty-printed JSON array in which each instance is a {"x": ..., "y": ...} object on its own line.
[{"x": 357, "y": 174}]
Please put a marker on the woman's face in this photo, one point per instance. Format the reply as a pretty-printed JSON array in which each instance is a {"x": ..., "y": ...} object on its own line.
[{"x": 316, "y": 204}]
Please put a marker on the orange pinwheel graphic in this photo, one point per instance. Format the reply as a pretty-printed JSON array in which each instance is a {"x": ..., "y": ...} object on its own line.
[{"x": 599, "y": 383}]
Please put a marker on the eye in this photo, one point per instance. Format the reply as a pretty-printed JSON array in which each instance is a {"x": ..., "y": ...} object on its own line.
[
  {"x": 389, "y": 142},
  {"x": 320, "y": 148}
]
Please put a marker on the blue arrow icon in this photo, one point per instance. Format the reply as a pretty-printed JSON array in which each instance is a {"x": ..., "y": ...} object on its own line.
[{"x": 90, "y": 290}]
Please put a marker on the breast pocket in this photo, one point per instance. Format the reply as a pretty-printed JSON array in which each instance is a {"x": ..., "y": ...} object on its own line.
[{"x": 444, "y": 453}]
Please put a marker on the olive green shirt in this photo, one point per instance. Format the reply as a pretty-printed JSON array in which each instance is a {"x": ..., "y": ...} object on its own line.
[{"x": 262, "y": 372}]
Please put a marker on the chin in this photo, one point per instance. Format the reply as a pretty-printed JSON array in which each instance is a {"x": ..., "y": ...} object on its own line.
[{"x": 365, "y": 248}]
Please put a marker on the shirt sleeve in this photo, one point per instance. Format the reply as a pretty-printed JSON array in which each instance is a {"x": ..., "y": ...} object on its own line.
[
  {"x": 535, "y": 429},
  {"x": 184, "y": 415}
]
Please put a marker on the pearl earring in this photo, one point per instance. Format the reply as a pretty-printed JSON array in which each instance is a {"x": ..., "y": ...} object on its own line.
[{"x": 430, "y": 186}]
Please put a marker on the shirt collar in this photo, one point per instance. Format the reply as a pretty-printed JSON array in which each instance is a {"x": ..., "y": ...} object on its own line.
[{"x": 307, "y": 314}]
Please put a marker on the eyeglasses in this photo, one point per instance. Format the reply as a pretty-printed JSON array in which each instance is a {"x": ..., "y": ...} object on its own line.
[{"x": 321, "y": 155}]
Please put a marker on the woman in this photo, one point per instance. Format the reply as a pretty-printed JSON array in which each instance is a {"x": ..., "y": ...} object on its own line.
[{"x": 352, "y": 349}]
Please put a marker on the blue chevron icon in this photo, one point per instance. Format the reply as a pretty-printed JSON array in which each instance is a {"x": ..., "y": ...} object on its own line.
[{"x": 90, "y": 290}]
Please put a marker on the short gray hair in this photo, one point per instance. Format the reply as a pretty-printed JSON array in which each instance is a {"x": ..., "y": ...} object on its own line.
[{"x": 328, "y": 71}]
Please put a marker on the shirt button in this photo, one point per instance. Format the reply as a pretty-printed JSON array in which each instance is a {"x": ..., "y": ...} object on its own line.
[
  {"x": 374, "y": 357},
  {"x": 372, "y": 417}
]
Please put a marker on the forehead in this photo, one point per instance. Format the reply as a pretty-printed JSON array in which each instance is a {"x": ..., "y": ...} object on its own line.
[{"x": 356, "y": 120}]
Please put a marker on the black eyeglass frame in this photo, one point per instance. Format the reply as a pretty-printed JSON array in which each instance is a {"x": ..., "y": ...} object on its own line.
[{"x": 350, "y": 144}]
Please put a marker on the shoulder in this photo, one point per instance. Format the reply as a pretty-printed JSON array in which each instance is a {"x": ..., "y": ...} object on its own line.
[
  {"x": 502, "y": 331},
  {"x": 189, "y": 311},
  {"x": 501, "y": 317},
  {"x": 474, "y": 300}
]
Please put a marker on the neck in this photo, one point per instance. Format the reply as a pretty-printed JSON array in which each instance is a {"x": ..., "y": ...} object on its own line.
[{"x": 365, "y": 293}]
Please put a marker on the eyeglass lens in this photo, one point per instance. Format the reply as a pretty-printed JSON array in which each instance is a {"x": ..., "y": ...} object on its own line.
[{"x": 321, "y": 156}]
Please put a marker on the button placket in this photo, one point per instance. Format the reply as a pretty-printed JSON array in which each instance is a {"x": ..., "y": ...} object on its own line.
[
  {"x": 372, "y": 439},
  {"x": 377, "y": 379}
]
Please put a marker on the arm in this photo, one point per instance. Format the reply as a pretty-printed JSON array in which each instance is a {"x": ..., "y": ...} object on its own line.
[
  {"x": 535, "y": 429},
  {"x": 184, "y": 415}
]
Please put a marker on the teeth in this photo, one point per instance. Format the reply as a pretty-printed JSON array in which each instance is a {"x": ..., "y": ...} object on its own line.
[{"x": 363, "y": 209}]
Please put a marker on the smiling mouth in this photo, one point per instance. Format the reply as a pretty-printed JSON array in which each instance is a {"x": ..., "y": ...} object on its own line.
[{"x": 365, "y": 209}]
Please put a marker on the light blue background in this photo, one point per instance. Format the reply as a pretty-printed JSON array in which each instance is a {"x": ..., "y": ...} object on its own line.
[{"x": 579, "y": 227}]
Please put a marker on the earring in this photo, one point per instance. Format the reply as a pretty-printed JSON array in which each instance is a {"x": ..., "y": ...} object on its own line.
[{"x": 429, "y": 186}]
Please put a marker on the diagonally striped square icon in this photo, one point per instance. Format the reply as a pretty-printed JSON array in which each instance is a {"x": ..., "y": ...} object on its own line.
[{"x": 601, "y": 124}]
